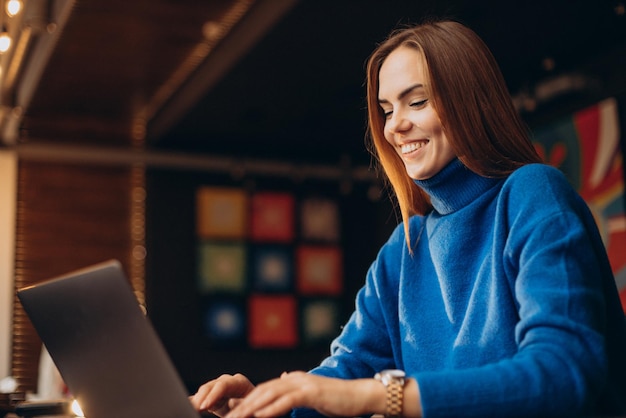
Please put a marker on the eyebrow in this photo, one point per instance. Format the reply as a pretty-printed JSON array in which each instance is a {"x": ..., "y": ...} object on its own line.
[{"x": 404, "y": 92}]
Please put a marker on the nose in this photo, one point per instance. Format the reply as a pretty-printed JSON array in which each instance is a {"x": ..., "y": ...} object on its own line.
[{"x": 398, "y": 123}]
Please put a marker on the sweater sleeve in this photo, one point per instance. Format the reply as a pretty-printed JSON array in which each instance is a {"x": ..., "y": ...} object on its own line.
[
  {"x": 558, "y": 271},
  {"x": 363, "y": 347}
]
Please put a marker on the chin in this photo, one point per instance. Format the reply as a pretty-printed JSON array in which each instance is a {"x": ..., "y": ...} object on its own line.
[{"x": 416, "y": 175}]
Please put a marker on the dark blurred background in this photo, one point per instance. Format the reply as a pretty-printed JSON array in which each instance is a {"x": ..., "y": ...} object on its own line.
[{"x": 118, "y": 111}]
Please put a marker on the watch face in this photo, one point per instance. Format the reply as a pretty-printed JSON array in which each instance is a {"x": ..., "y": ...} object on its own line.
[
  {"x": 395, "y": 373},
  {"x": 387, "y": 376}
]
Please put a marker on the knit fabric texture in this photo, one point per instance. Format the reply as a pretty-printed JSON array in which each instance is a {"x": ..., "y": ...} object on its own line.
[{"x": 507, "y": 306}]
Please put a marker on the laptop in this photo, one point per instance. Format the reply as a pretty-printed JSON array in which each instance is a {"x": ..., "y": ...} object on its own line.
[{"x": 105, "y": 348}]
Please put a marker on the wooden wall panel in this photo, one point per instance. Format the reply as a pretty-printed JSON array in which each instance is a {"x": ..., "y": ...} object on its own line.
[{"x": 68, "y": 217}]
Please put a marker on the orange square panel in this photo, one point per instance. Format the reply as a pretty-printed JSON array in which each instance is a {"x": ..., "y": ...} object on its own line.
[{"x": 221, "y": 212}]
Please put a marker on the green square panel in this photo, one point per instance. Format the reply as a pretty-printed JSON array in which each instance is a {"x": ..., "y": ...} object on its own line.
[{"x": 222, "y": 267}]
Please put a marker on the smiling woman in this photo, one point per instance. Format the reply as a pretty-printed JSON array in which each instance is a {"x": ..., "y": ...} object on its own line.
[{"x": 495, "y": 296}]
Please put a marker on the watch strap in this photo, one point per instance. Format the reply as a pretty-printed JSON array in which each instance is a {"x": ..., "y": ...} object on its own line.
[
  {"x": 395, "y": 396},
  {"x": 394, "y": 381}
]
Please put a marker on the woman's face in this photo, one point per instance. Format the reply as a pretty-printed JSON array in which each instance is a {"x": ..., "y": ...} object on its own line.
[{"x": 412, "y": 126}]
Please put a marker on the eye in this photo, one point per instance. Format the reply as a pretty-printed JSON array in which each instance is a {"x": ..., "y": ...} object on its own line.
[
  {"x": 386, "y": 113},
  {"x": 419, "y": 103}
]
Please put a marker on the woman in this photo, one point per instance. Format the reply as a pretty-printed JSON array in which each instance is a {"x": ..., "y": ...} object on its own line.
[{"x": 495, "y": 296}]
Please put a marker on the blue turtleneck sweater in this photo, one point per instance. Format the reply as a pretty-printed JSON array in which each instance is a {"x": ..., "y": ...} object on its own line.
[{"x": 507, "y": 306}]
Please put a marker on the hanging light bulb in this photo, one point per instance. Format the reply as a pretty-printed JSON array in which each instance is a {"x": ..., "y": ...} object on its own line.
[
  {"x": 13, "y": 7},
  {"x": 5, "y": 40}
]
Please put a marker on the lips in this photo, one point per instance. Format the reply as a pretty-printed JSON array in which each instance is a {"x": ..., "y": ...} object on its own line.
[{"x": 412, "y": 146}]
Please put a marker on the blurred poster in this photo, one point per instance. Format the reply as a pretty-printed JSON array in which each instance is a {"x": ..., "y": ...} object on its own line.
[{"x": 586, "y": 147}]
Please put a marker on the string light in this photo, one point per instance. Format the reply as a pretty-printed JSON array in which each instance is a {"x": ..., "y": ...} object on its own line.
[
  {"x": 13, "y": 7},
  {"x": 5, "y": 41}
]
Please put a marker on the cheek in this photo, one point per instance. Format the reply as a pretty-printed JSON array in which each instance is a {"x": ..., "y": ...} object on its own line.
[
  {"x": 447, "y": 148},
  {"x": 437, "y": 133},
  {"x": 387, "y": 135},
  {"x": 429, "y": 121}
]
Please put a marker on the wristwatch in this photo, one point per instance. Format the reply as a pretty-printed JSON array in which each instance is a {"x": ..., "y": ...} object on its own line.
[{"x": 394, "y": 383}]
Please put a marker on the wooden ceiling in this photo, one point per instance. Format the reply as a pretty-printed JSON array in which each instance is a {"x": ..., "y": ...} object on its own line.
[
  {"x": 98, "y": 70},
  {"x": 111, "y": 60},
  {"x": 268, "y": 78}
]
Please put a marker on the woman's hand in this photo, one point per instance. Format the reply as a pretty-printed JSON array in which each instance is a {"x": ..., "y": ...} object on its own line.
[
  {"x": 220, "y": 395},
  {"x": 329, "y": 396}
]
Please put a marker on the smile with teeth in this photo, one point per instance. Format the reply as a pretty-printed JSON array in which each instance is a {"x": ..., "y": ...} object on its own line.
[{"x": 410, "y": 147}]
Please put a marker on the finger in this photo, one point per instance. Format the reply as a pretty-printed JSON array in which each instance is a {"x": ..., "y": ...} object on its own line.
[
  {"x": 232, "y": 403},
  {"x": 217, "y": 395},
  {"x": 254, "y": 400},
  {"x": 201, "y": 393},
  {"x": 276, "y": 391},
  {"x": 214, "y": 395},
  {"x": 280, "y": 406}
]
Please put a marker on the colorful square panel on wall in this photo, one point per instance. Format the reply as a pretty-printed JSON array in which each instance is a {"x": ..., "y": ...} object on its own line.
[
  {"x": 222, "y": 267},
  {"x": 225, "y": 320},
  {"x": 319, "y": 270},
  {"x": 320, "y": 321},
  {"x": 586, "y": 147},
  {"x": 273, "y": 321},
  {"x": 272, "y": 268},
  {"x": 319, "y": 219},
  {"x": 272, "y": 217},
  {"x": 221, "y": 212}
]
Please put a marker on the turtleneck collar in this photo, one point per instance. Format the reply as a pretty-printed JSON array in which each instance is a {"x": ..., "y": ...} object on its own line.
[{"x": 454, "y": 187}]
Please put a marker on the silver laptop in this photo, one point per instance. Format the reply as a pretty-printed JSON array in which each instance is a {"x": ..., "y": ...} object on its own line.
[{"x": 104, "y": 346}]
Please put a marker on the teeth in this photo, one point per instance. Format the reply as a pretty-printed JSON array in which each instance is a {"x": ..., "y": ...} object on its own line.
[{"x": 406, "y": 148}]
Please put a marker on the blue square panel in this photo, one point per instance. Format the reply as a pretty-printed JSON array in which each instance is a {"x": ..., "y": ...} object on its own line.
[{"x": 272, "y": 268}]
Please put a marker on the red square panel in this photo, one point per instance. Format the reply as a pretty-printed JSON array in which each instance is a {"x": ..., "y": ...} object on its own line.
[
  {"x": 273, "y": 322},
  {"x": 319, "y": 270},
  {"x": 272, "y": 217}
]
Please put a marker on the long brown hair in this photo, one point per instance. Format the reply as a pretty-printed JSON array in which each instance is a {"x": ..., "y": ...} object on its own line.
[{"x": 469, "y": 94}]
